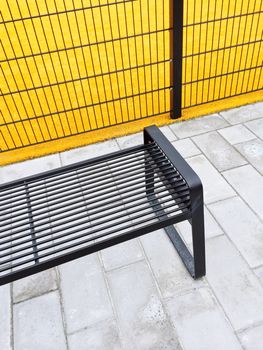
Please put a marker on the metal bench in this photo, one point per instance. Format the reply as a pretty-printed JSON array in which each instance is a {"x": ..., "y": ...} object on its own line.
[{"x": 63, "y": 214}]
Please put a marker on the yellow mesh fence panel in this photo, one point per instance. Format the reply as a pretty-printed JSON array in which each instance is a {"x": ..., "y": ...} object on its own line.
[
  {"x": 223, "y": 50},
  {"x": 72, "y": 67}
]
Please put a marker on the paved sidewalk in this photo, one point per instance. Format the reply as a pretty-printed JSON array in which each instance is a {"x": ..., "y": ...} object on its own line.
[{"x": 138, "y": 295}]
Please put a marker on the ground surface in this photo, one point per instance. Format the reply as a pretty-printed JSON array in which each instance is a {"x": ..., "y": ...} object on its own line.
[{"x": 138, "y": 295}]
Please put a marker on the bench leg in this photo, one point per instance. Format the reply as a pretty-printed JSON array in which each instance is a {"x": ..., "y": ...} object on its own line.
[
  {"x": 195, "y": 263},
  {"x": 198, "y": 239}
]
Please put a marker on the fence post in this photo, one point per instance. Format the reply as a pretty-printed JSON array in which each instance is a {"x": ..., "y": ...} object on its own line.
[{"x": 176, "y": 54}]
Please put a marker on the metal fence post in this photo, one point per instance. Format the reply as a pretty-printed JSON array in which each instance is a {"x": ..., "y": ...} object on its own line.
[{"x": 176, "y": 54}]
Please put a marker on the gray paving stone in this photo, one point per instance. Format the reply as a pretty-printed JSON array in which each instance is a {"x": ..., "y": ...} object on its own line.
[
  {"x": 121, "y": 254},
  {"x": 200, "y": 322},
  {"x": 130, "y": 140},
  {"x": 16, "y": 171},
  {"x": 102, "y": 336},
  {"x": 88, "y": 152},
  {"x": 249, "y": 184},
  {"x": 84, "y": 293},
  {"x": 235, "y": 285},
  {"x": 198, "y": 126},
  {"x": 215, "y": 186},
  {"x": 244, "y": 113},
  {"x": 253, "y": 152},
  {"x": 186, "y": 148},
  {"x": 212, "y": 229},
  {"x": 142, "y": 320},
  {"x": 169, "y": 271},
  {"x": 220, "y": 153},
  {"x": 236, "y": 134},
  {"x": 256, "y": 126},
  {"x": 38, "y": 324},
  {"x": 168, "y": 133},
  {"x": 242, "y": 226},
  {"x": 5, "y": 318},
  {"x": 34, "y": 285},
  {"x": 252, "y": 339}
]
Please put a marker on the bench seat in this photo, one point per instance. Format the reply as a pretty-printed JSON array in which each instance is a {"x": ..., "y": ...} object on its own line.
[{"x": 63, "y": 214}]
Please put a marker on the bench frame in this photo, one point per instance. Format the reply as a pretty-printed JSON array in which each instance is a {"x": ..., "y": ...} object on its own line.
[{"x": 195, "y": 263}]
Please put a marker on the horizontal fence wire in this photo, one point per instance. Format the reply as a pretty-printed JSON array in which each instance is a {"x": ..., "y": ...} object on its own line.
[
  {"x": 223, "y": 51},
  {"x": 70, "y": 67}
]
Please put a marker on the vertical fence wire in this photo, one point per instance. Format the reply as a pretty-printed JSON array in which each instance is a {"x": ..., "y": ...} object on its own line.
[
  {"x": 223, "y": 52},
  {"x": 74, "y": 66},
  {"x": 70, "y": 67}
]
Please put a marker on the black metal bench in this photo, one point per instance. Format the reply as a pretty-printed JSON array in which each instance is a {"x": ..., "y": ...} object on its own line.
[{"x": 63, "y": 214}]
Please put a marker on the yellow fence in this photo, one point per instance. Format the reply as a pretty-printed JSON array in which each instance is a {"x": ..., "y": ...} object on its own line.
[{"x": 75, "y": 72}]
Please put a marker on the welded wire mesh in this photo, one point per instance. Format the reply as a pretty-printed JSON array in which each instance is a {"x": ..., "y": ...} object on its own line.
[
  {"x": 223, "y": 51},
  {"x": 68, "y": 67},
  {"x": 73, "y": 66}
]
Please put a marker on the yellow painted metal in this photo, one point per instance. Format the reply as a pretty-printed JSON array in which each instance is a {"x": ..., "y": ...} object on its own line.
[{"x": 25, "y": 75}]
